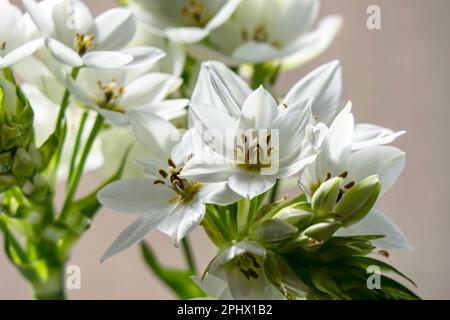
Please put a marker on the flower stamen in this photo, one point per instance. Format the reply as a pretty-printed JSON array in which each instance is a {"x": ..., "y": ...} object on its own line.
[{"x": 83, "y": 42}]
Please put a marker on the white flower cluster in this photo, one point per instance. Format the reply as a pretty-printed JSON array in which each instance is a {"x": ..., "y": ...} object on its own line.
[{"x": 237, "y": 144}]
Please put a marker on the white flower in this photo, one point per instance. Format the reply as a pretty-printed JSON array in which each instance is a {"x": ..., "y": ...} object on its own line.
[
  {"x": 15, "y": 42},
  {"x": 270, "y": 30},
  {"x": 166, "y": 201},
  {"x": 186, "y": 21},
  {"x": 76, "y": 39},
  {"x": 255, "y": 141},
  {"x": 238, "y": 273},
  {"x": 114, "y": 93},
  {"x": 336, "y": 158}
]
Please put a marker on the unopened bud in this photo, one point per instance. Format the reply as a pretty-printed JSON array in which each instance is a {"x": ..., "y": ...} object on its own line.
[
  {"x": 358, "y": 201},
  {"x": 295, "y": 214},
  {"x": 325, "y": 198},
  {"x": 322, "y": 231},
  {"x": 274, "y": 230},
  {"x": 22, "y": 164}
]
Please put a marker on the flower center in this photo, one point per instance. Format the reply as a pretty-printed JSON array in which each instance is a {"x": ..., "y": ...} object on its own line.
[
  {"x": 194, "y": 12},
  {"x": 111, "y": 96},
  {"x": 248, "y": 265},
  {"x": 251, "y": 155},
  {"x": 258, "y": 34},
  {"x": 83, "y": 42},
  {"x": 185, "y": 189}
]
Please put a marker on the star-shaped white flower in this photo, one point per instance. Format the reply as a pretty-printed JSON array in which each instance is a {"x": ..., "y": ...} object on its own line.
[
  {"x": 270, "y": 30},
  {"x": 186, "y": 21},
  {"x": 337, "y": 157},
  {"x": 76, "y": 39},
  {"x": 16, "y": 43},
  {"x": 166, "y": 201},
  {"x": 250, "y": 121},
  {"x": 114, "y": 93}
]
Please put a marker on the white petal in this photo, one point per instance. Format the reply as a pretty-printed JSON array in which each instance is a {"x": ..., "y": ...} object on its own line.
[
  {"x": 377, "y": 223},
  {"x": 156, "y": 133},
  {"x": 336, "y": 147},
  {"x": 213, "y": 286},
  {"x": 386, "y": 162},
  {"x": 208, "y": 168},
  {"x": 183, "y": 220},
  {"x": 114, "y": 29},
  {"x": 186, "y": 35},
  {"x": 134, "y": 233},
  {"x": 63, "y": 53},
  {"x": 324, "y": 84},
  {"x": 21, "y": 53},
  {"x": 210, "y": 117},
  {"x": 219, "y": 87},
  {"x": 223, "y": 15},
  {"x": 135, "y": 196},
  {"x": 218, "y": 193},
  {"x": 79, "y": 93},
  {"x": 168, "y": 109},
  {"x": 115, "y": 118},
  {"x": 369, "y": 135},
  {"x": 204, "y": 52},
  {"x": 143, "y": 57},
  {"x": 313, "y": 44},
  {"x": 152, "y": 87},
  {"x": 254, "y": 52},
  {"x": 259, "y": 110},
  {"x": 41, "y": 18},
  {"x": 69, "y": 17},
  {"x": 106, "y": 59},
  {"x": 250, "y": 185}
]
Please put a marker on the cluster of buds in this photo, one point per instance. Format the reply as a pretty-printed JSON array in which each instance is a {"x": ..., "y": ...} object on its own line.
[
  {"x": 20, "y": 161},
  {"x": 309, "y": 225},
  {"x": 293, "y": 240}
]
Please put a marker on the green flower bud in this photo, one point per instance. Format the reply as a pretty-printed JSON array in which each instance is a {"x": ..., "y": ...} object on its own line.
[
  {"x": 322, "y": 231},
  {"x": 296, "y": 214},
  {"x": 6, "y": 181},
  {"x": 5, "y": 162},
  {"x": 10, "y": 135},
  {"x": 274, "y": 230},
  {"x": 358, "y": 201},
  {"x": 325, "y": 198},
  {"x": 23, "y": 164}
]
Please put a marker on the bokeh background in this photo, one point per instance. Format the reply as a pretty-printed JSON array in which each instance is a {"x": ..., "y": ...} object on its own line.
[{"x": 397, "y": 77}]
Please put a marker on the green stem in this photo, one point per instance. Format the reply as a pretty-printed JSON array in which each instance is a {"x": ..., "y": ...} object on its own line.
[
  {"x": 188, "y": 255},
  {"x": 77, "y": 145},
  {"x": 75, "y": 181},
  {"x": 65, "y": 103}
]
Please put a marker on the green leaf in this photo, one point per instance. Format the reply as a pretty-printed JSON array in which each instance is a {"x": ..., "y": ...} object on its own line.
[
  {"x": 178, "y": 281},
  {"x": 365, "y": 262}
]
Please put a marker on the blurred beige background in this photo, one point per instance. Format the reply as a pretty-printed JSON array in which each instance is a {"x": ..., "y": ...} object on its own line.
[{"x": 397, "y": 77}]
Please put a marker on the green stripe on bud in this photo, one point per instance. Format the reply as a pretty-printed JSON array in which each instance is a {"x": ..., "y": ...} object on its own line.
[
  {"x": 325, "y": 198},
  {"x": 358, "y": 201}
]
